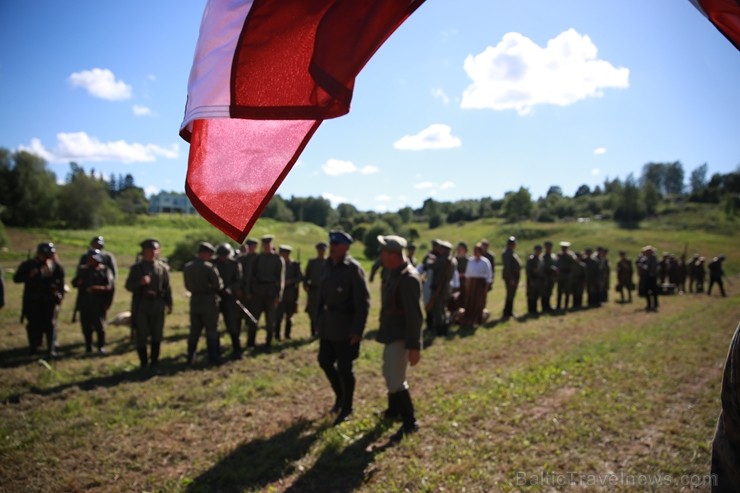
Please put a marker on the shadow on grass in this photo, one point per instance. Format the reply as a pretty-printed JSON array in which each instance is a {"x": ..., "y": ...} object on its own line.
[
  {"x": 259, "y": 463},
  {"x": 340, "y": 471}
]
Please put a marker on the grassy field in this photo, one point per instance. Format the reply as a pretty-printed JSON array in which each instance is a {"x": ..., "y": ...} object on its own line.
[{"x": 608, "y": 399}]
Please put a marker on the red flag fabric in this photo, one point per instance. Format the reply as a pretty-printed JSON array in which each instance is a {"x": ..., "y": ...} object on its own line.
[
  {"x": 266, "y": 73},
  {"x": 725, "y": 15}
]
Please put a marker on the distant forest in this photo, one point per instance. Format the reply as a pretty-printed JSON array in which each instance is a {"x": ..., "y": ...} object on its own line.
[{"x": 30, "y": 196}]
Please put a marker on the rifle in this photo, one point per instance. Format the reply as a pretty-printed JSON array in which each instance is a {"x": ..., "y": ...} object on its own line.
[{"x": 241, "y": 306}]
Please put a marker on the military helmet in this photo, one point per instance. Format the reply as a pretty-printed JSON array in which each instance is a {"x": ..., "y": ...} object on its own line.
[{"x": 224, "y": 249}]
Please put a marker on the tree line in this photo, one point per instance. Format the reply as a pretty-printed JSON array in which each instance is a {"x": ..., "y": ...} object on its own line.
[{"x": 30, "y": 196}]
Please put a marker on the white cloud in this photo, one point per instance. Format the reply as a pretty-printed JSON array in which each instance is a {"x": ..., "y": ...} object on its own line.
[
  {"x": 101, "y": 83},
  {"x": 335, "y": 199},
  {"x": 80, "y": 147},
  {"x": 336, "y": 167},
  {"x": 424, "y": 184},
  {"x": 599, "y": 151},
  {"x": 446, "y": 185},
  {"x": 140, "y": 110},
  {"x": 435, "y": 136},
  {"x": 439, "y": 93},
  {"x": 518, "y": 74},
  {"x": 150, "y": 190},
  {"x": 595, "y": 171},
  {"x": 369, "y": 170},
  {"x": 382, "y": 198}
]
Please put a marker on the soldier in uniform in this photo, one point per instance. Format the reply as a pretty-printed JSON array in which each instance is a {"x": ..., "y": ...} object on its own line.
[
  {"x": 578, "y": 280},
  {"x": 312, "y": 284},
  {"x": 231, "y": 274},
  {"x": 593, "y": 276},
  {"x": 442, "y": 269},
  {"x": 565, "y": 262},
  {"x": 701, "y": 274},
  {"x": 624, "y": 277},
  {"x": 604, "y": 273},
  {"x": 344, "y": 303},
  {"x": 491, "y": 259},
  {"x": 289, "y": 303},
  {"x": 109, "y": 260},
  {"x": 149, "y": 281},
  {"x": 512, "y": 267},
  {"x": 536, "y": 280},
  {"x": 204, "y": 283},
  {"x": 94, "y": 280},
  {"x": 692, "y": 271},
  {"x": 648, "y": 268},
  {"x": 247, "y": 256},
  {"x": 268, "y": 279},
  {"x": 43, "y": 291},
  {"x": 551, "y": 275},
  {"x": 715, "y": 275},
  {"x": 400, "y": 331}
]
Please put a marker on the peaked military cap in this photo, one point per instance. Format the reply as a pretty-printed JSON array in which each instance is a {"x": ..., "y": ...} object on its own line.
[
  {"x": 46, "y": 248},
  {"x": 512, "y": 239},
  {"x": 251, "y": 241},
  {"x": 322, "y": 245},
  {"x": 285, "y": 248},
  {"x": 204, "y": 246},
  {"x": 94, "y": 254},
  {"x": 267, "y": 239},
  {"x": 444, "y": 244},
  {"x": 99, "y": 240},
  {"x": 392, "y": 243},
  {"x": 149, "y": 243},
  {"x": 340, "y": 237},
  {"x": 565, "y": 244}
]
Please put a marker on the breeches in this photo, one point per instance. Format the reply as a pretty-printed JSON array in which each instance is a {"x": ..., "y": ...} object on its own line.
[{"x": 395, "y": 364}]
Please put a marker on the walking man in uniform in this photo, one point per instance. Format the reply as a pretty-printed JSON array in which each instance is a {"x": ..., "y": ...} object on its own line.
[
  {"x": 231, "y": 274},
  {"x": 268, "y": 279},
  {"x": 312, "y": 284},
  {"x": 205, "y": 284},
  {"x": 512, "y": 267},
  {"x": 149, "y": 281},
  {"x": 344, "y": 303},
  {"x": 400, "y": 331},
  {"x": 289, "y": 303}
]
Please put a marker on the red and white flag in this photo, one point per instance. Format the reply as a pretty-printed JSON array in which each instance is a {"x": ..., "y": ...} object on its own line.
[
  {"x": 725, "y": 15},
  {"x": 266, "y": 73}
]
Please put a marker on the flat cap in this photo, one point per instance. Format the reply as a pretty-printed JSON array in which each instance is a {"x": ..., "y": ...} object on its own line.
[
  {"x": 204, "y": 246},
  {"x": 149, "y": 243},
  {"x": 285, "y": 248},
  {"x": 392, "y": 243},
  {"x": 94, "y": 254},
  {"x": 267, "y": 238},
  {"x": 340, "y": 237},
  {"x": 322, "y": 245}
]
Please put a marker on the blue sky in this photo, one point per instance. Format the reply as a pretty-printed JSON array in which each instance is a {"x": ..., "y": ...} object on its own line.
[{"x": 467, "y": 99}]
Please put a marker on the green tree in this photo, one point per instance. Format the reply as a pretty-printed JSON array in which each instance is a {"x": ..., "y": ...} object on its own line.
[
  {"x": 698, "y": 179},
  {"x": 372, "y": 246},
  {"x": 30, "y": 196},
  {"x": 651, "y": 198},
  {"x": 517, "y": 205},
  {"x": 84, "y": 202},
  {"x": 278, "y": 209},
  {"x": 582, "y": 191},
  {"x": 628, "y": 211}
]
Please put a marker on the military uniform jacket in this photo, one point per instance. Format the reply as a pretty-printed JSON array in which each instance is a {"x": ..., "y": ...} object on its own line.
[
  {"x": 443, "y": 269},
  {"x": 268, "y": 275},
  {"x": 46, "y": 286},
  {"x": 88, "y": 277},
  {"x": 203, "y": 281},
  {"x": 344, "y": 300},
  {"x": 312, "y": 279},
  {"x": 293, "y": 279},
  {"x": 231, "y": 274},
  {"x": 400, "y": 314},
  {"x": 535, "y": 272},
  {"x": 624, "y": 273},
  {"x": 512, "y": 266},
  {"x": 565, "y": 265},
  {"x": 108, "y": 260},
  {"x": 550, "y": 261},
  {"x": 715, "y": 270},
  {"x": 247, "y": 263},
  {"x": 157, "y": 293}
]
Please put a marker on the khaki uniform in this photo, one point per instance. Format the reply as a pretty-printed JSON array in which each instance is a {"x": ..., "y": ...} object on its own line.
[
  {"x": 550, "y": 261},
  {"x": 312, "y": 285},
  {"x": 288, "y": 305},
  {"x": 205, "y": 284},
  {"x": 266, "y": 288},
  {"x": 577, "y": 282},
  {"x": 565, "y": 267},
  {"x": 536, "y": 282},
  {"x": 149, "y": 302},
  {"x": 624, "y": 278},
  {"x": 230, "y": 272},
  {"x": 92, "y": 303},
  {"x": 511, "y": 272}
]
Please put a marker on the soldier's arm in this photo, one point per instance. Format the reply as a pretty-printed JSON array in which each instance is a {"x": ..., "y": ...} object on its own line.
[
  {"x": 133, "y": 281},
  {"x": 410, "y": 292},
  {"x": 166, "y": 289},
  {"x": 215, "y": 279},
  {"x": 361, "y": 301}
]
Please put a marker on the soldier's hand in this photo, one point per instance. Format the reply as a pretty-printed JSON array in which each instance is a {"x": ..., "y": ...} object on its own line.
[
  {"x": 354, "y": 339},
  {"x": 414, "y": 356},
  {"x": 146, "y": 280}
]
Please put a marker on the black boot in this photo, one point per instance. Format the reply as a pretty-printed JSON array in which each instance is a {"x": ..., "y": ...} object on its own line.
[
  {"x": 192, "y": 346},
  {"x": 251, "y": 337},
  {"x": 155, "y": 354},
  {"x": 268, "y": 342},
  {"x": 409, "y": 425},
  {"x": 236, "y": 346},
  {"x": 392, "y": 413},
  {"x": 88, "y": 343},
  {"x": 348, "y": 392},
  {"x": 288, "y": 326},
  {"x": 214, "y": 353},
  {"x": 143, "y": 360}
]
